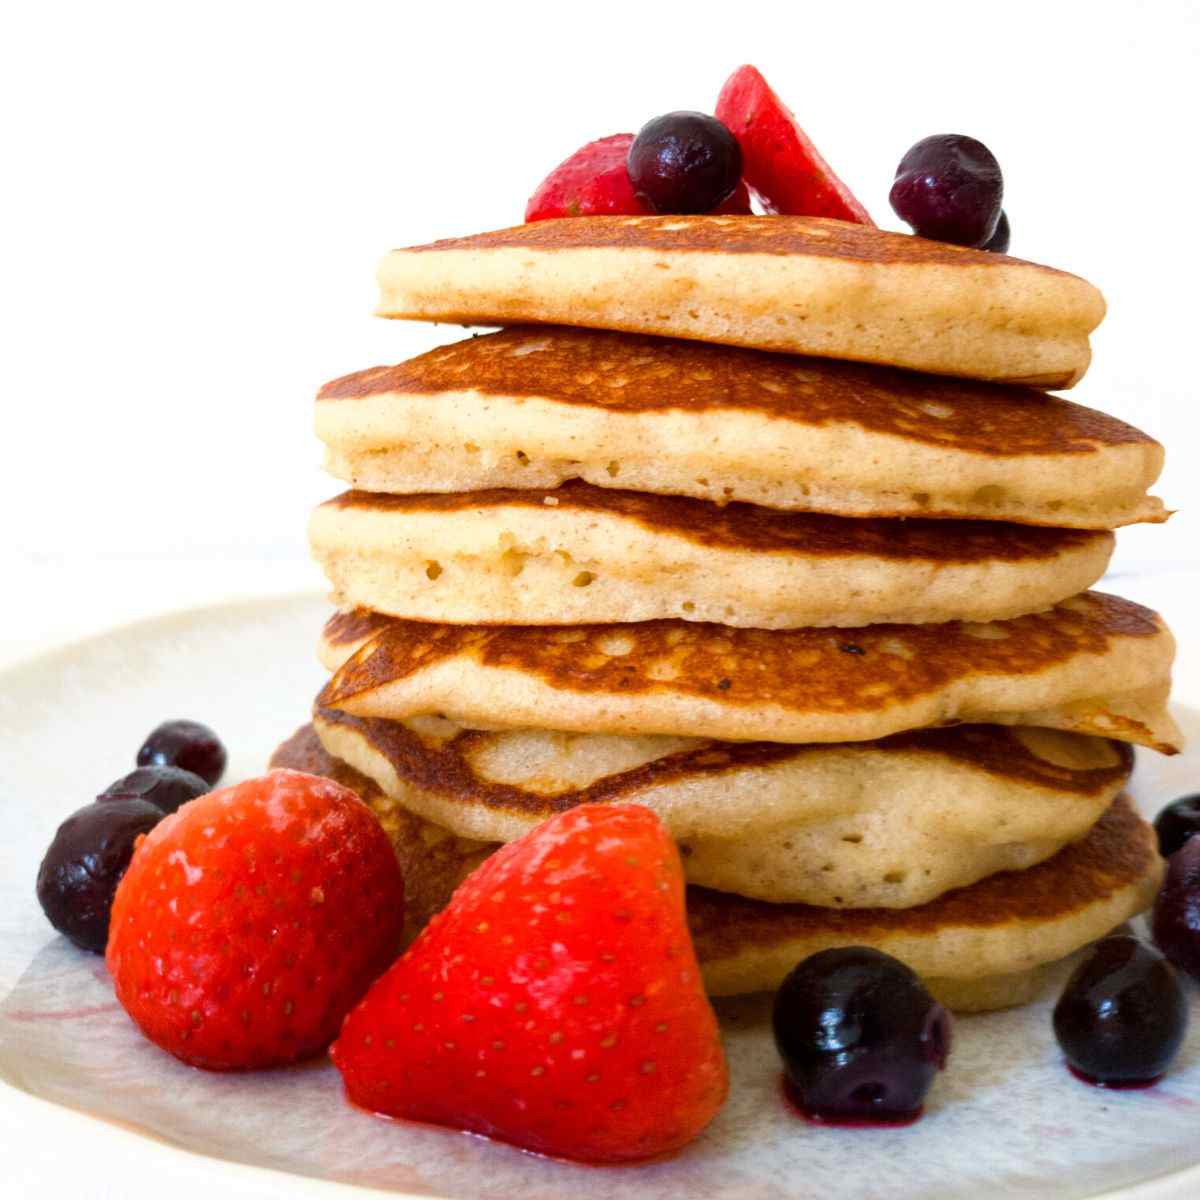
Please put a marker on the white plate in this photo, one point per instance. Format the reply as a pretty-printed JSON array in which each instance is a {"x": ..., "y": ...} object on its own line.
[{"x": 1004, "y": 1120}]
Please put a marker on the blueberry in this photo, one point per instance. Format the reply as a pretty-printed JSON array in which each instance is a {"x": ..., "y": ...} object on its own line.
[
  {"x": 998, "y": 242},
  {"x": 684, "y": 162},
  {"x": 1175, "y": 922},
  {"x": 79, "y": 875},
  {"x": 860, "y": 1037},
  {"x": 164, "y": 787},
  {"x": 186, "y": 744},
  {"x": 1176, "y": 823},
  {"x": 1123, "y": 1014},
  {"x": 948, "y": 187}
]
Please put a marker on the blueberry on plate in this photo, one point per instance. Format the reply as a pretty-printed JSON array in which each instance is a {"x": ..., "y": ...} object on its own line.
[
  {"x": 1122, "y": 1016},
  {"x": 1175, "y": 921},
  {"x": 86, "y": 860},
  {"x": 186, "y": 744},
  {"x": 860, "y": 1037},
  {"x": 164, "y": 787},
  {"x": 1176, "y": 823}
]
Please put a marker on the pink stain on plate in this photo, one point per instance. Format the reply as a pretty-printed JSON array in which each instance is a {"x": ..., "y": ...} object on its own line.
[{"x": 62, "y": 1014}]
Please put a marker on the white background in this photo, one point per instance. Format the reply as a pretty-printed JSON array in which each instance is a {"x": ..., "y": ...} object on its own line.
[{"x": 195, "y": 197}]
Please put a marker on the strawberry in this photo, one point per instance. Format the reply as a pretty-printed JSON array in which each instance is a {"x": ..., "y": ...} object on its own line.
[
  {"x": 554, "y": 1003},
  {"x": 595, "y": 181},
  {"x": 253, "y": 919},
  {"x": 779, "y": 162}
]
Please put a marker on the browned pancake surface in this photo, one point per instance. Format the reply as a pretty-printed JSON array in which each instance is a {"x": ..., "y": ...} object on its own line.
[
  {"x": 631, "y": 374},
  {"x": 804, "y": 670},
  {"x": 1117, "y": 853},
  {"x": 806, "y": 236},
  {"x": 751, "y": 527},
  {"x": 355, "y": 626},
  {"x": 446, "y": 767}
]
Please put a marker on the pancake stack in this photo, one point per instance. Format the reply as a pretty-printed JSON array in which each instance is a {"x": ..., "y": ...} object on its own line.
[{"x": 762, "y": 523}]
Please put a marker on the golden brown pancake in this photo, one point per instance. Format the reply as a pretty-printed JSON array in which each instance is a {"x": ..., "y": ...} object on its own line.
[
  {"x": 1095, "y": 664},
  {"x": 890, "y": 823},
  {"x": 804, "y": 285},
  {"x": 978, "y": 947},
  {"x": 581, "y": 554},
  {"x": 535, "y": 407},
  {"x": 1007, "y": 924}
]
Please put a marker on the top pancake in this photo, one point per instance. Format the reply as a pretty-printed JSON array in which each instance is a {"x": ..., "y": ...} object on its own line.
[
  {"x": 534, "y": 407},
  {"x": 804, "y": 285},
  {"x": 581, "y": 554}
]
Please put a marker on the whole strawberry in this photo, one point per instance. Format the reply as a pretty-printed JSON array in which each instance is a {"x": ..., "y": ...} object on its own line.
[
  {"x": 555, "y": 1003},
  {"x": 253, "y": 919}
]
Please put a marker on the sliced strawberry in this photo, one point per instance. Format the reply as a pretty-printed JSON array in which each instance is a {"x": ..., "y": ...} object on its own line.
[
  {"x": 594, "y": 181},
  {"x": 782, "y": 167},
  {"x": 554, "y": 1003}
]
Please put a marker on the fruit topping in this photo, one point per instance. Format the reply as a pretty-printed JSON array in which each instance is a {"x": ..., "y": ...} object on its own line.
[
  {"x": 165, "y": 787},
  {"x": 554, "y": 1003},
  {"x": 594, "y": 181},
  {"x": 948, "y": 187},
  {"x": 186, "y": 744},
  {"x": 1123, "y": 1014},
  {"x": 998, "y": 242},
  {"x": 860, "y": 1037},
  {"x": 684, "y": 162},
  {"x": 1176, "y": 919},
  {"x": 86, "y": 860},
  {"x": 780, "y": 163},
  {"x": 253, "y": 919},
  {"x": 1176, "y": 823}
]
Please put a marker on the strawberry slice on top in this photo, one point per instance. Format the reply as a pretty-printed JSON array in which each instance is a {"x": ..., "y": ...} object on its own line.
[
  {"x": 594, "y": 181},
  {"x": 779, "y": 162},
  {"x": 555, "y": 1003}
]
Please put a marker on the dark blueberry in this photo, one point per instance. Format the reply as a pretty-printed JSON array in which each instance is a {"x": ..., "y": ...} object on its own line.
[
  {"x": 79, "y": 875},
  {"x": 186, "y": 744},
  {"x": 684, "y": 162},
  {"x": 860, "y": 1037},
  {"x": 165, "y": 787},
  {"x": 999, "y": 240},
  {"x": 1176, "y": 919},
  {"x": 948, "y": 187},
  {"x": 1176, "y": 823},
  {"x": 1123, "y": 1014}
]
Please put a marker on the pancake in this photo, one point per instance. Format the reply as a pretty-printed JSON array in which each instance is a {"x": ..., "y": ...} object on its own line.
[
  {"x": 1094, "y": 664},
  {"x": 891, "y": 823},
  {"x": 581, "y": 554},
  {"x": 981, "y": 947},
  {"x": 535, "y": 407},
  {"x": 976, "y": 947},
  {"x": 804, "y": 285}
]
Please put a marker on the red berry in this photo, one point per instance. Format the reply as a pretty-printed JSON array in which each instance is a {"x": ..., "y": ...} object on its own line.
[
  {"x": 252, "y": 920},
  {"x": 779, "y": 162},
  {"x": 594, "y": 181},
  {"x": 555, "y": 1003}
]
